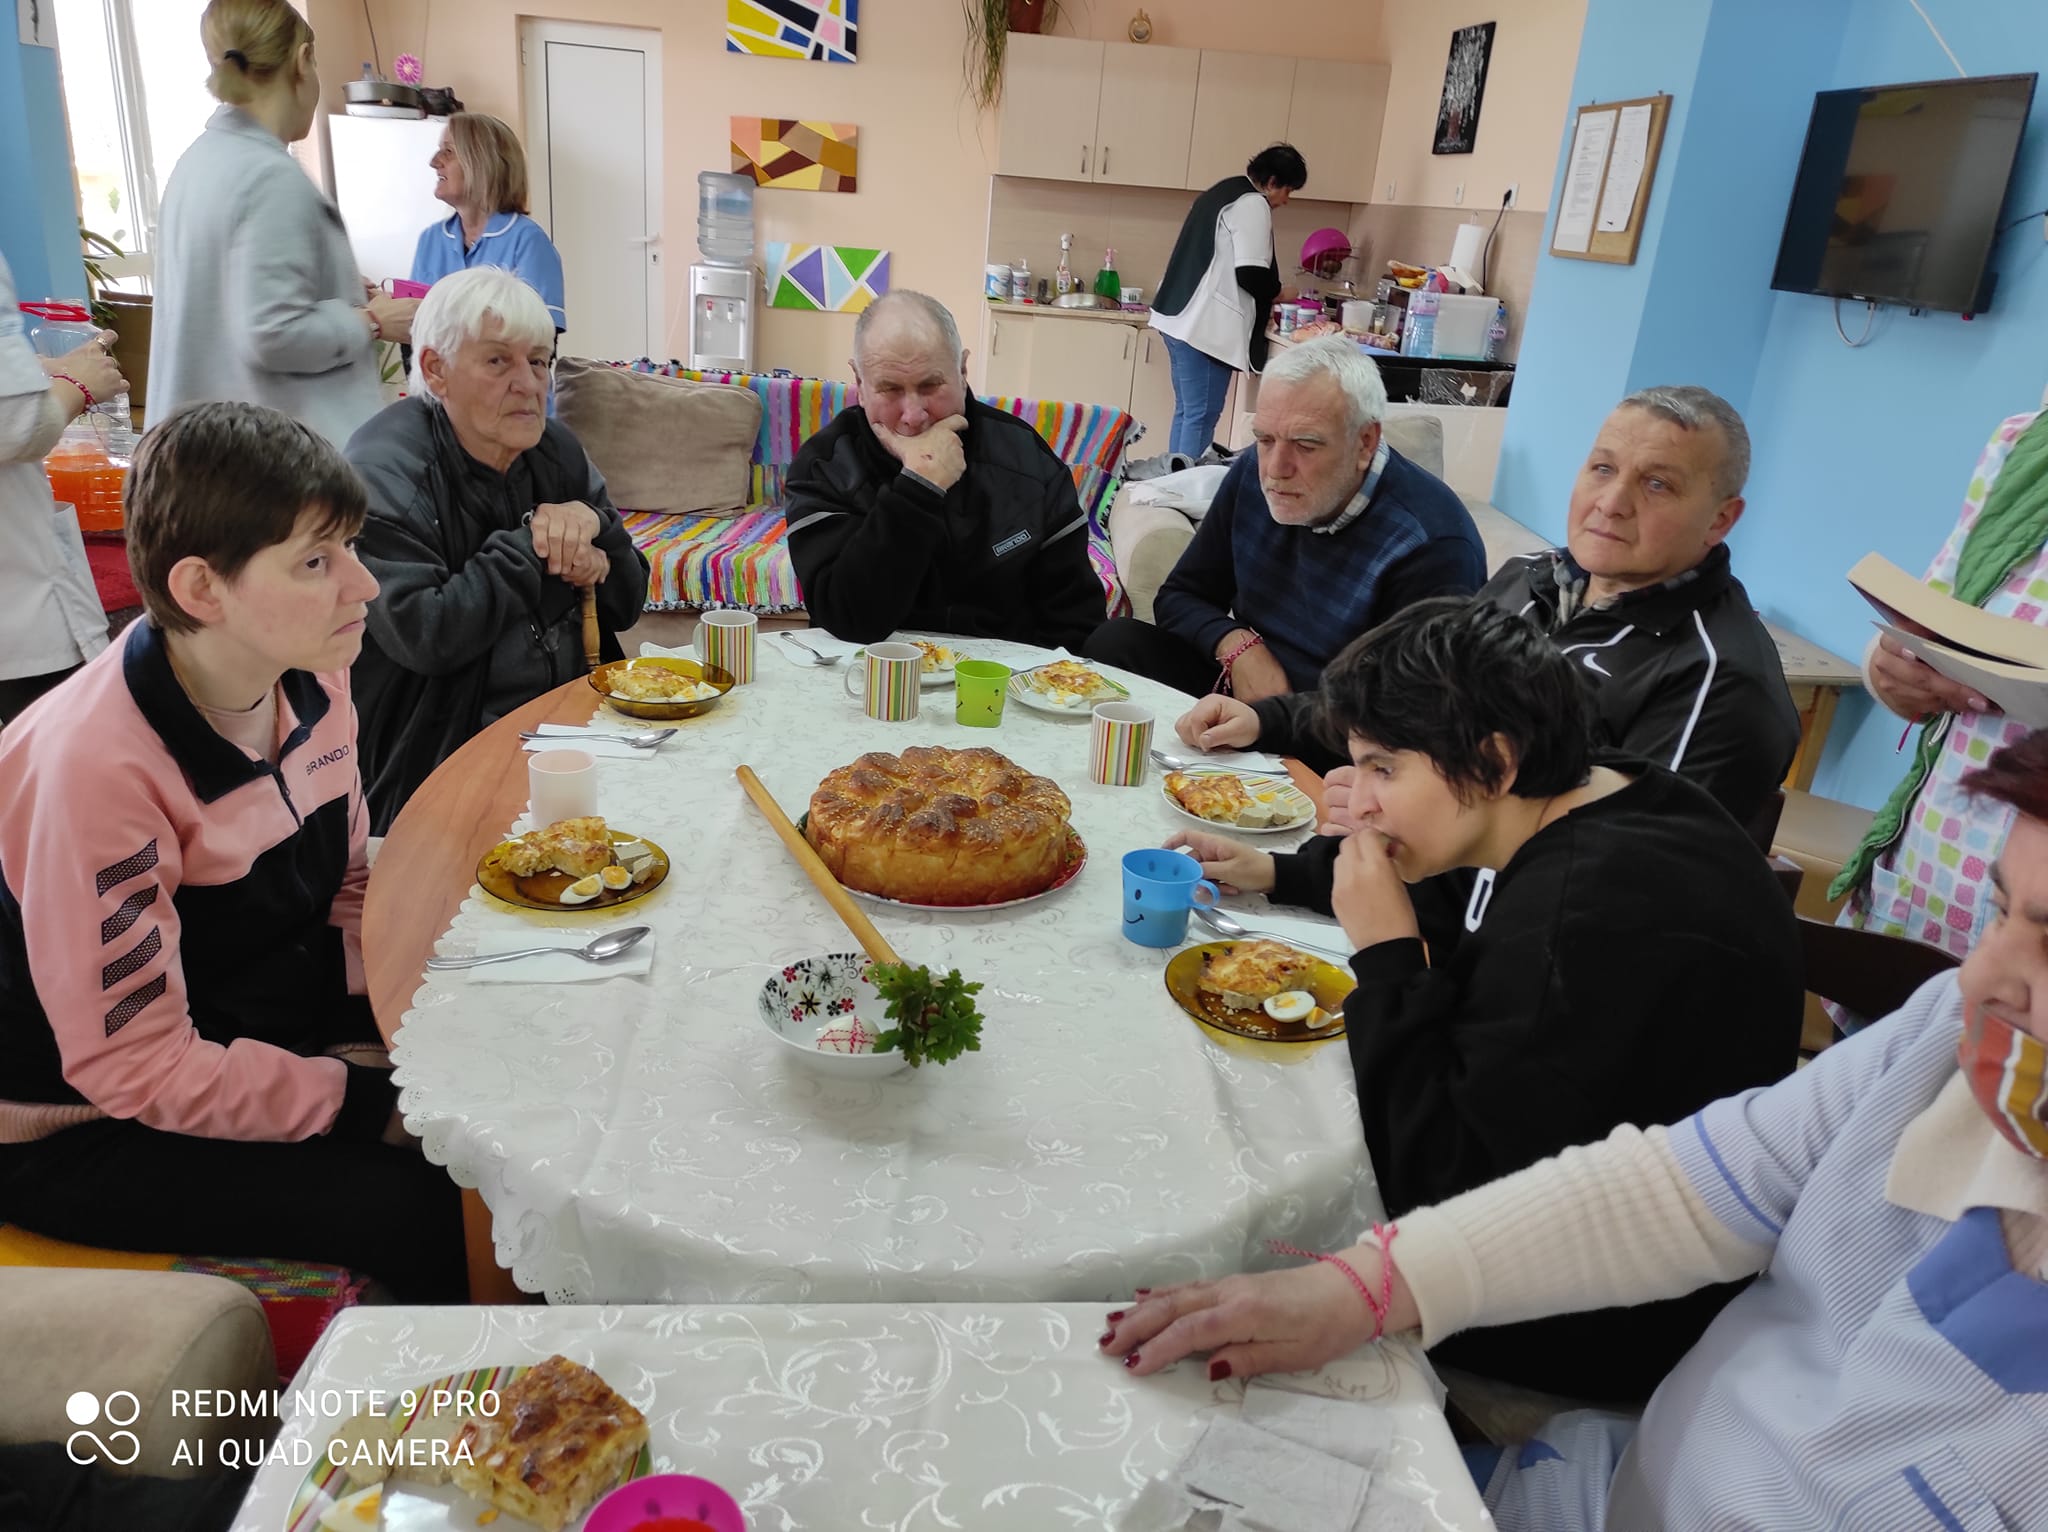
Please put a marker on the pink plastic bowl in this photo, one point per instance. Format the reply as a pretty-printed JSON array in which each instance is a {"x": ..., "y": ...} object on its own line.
[{"x": 666, "y": 1496}]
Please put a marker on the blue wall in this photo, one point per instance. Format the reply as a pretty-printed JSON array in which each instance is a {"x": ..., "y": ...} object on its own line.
[
  {"x": 1854, "y": 450},
  {"x": 38, "y": 207}
]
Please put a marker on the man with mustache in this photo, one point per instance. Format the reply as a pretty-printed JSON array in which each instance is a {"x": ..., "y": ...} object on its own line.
[{"x": 1322, "y": 533}]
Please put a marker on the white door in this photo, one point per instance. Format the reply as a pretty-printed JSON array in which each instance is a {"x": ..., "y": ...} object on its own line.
[{"x": 593, "y": 147}]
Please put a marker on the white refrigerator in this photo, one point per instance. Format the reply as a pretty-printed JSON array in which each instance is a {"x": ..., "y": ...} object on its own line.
[{"x": 384, "y": 187}]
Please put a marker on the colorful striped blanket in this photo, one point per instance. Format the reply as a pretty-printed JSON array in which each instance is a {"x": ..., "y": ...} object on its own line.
[{"x": 743, "y": 561}]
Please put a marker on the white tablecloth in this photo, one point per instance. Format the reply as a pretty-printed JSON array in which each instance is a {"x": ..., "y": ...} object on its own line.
[
  {"x": 646, "y": 1140},
  {"x": 863, "y": 1416}
]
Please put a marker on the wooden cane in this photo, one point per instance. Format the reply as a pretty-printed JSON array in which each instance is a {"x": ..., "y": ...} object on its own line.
[{"x": 592, "y": 643}]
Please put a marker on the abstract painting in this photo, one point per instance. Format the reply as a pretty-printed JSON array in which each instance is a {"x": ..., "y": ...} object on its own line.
[
  {"x": 794, "y": 29},
  {"x": 796, "y": 156},
  {"x": 1457, "y": 118},
  {"x": 835, "y": 279}
]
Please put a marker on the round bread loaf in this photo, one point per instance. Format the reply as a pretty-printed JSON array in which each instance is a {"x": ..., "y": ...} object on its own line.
[{"x": 937, "y": 826}]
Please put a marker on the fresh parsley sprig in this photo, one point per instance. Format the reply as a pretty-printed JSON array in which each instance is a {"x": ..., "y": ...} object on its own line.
[{"x": 935, "y": 1018}]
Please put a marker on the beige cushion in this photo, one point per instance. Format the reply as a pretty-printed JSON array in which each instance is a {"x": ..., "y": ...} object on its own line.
[
  {"x": 1418, "y": 438},
  {"x": 147, "y": 1333},
  {"x": 662, "y": 444}
]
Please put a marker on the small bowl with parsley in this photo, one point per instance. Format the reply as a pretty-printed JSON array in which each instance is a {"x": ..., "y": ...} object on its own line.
[{"x": 847, "y": 1016}]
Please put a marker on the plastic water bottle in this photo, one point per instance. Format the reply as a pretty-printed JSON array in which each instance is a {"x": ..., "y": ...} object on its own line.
[
  {"x": 1497, "y": 334},
  {"x": 725, "y": 218},
  {"x": 58, "y": 327}
]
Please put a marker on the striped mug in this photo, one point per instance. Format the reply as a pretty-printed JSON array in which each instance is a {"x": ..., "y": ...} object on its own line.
[
  {"x": 889, "y": 681},
  {"x": 726, "y": 639},
  {"x": 1121, "y": 734}
]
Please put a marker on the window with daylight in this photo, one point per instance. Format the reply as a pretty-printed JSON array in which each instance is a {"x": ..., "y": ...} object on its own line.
[{"x": 135, "y": 95}]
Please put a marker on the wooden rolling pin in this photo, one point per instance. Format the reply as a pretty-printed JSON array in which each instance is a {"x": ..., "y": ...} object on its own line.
[
  {"x": 592, "y": 644},
  {"x": 842, "y": 903}
]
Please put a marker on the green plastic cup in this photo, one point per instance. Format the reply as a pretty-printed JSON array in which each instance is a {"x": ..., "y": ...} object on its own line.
[{"x": 979, "y": 687}]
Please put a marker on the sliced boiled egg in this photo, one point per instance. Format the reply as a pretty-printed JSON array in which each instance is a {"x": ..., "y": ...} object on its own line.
[
  {"x": 1290, "y": 1005},
  {"x": 615, "y": 877},
  {"x": 353, "y": 1513},
  {"x": 583, "y": 890}
]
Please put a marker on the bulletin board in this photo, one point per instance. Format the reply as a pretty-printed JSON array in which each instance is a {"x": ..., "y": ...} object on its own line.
[{"x": 1607, "y": 179}]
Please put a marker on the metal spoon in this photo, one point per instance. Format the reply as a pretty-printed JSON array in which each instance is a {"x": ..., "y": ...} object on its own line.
[
  {"x": 599, "y": 949},
  {"x": 647, "y": 741},
  {"x": 1175, "y": 763},
  {"x": 1225, "y": 925}
]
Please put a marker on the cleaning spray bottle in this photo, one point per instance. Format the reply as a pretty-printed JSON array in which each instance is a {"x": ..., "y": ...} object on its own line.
[{"x": 1063, "y": 275}]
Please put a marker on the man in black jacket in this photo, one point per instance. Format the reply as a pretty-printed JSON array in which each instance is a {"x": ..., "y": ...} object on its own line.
[
  {"x": 924, "y": 508},
  {"x": 1682, "y": 670}
]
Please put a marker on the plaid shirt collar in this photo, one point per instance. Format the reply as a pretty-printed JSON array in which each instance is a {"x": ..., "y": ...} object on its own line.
[
  {"x": 1571, "y": 583},
  {"x": 1359, "y": 501}
]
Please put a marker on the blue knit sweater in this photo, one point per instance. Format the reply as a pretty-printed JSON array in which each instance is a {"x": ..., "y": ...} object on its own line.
[{"x": 1310, "y": 593}]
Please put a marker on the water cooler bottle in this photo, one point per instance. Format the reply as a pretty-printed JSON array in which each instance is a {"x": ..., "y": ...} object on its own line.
[{"x": 724, "y": 285}]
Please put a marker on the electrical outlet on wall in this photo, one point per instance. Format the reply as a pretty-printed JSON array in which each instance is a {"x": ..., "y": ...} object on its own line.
[
  {"x": 1514, "y": 194},
  {"x": 1390, "y": 191},
  {"x": 1458, "y": 195}
]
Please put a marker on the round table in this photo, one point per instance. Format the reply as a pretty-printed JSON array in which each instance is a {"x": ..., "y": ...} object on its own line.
[{"x": 645, "y": 1140}]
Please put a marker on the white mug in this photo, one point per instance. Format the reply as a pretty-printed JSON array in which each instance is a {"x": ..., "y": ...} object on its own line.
[
  {"x": 562, "y": 784},
  {"x": 725, "y": 638}
]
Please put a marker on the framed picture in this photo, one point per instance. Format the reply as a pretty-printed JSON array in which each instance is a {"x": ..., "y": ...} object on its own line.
[{"x": 1457, "y": 118}]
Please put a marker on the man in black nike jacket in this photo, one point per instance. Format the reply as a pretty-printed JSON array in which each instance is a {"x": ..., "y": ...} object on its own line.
[
  {"x": 923, "y": 508},
  {"x": 1642, "y": 598}
]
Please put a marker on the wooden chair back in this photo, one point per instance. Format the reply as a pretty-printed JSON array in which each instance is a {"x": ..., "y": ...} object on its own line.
[{"x": 1866, "y": 971}]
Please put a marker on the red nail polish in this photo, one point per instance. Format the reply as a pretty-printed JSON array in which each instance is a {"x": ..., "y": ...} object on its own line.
[
  {"x": 1107, "y": 1337},
  {"x": 1116, "y": 1317},
  {"x": 1131, "y": 1360},
  {"x": 1218, "y": 1371}
]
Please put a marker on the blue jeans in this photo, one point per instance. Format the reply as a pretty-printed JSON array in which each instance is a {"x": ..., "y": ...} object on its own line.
[{"x": 1200, "y": 383}]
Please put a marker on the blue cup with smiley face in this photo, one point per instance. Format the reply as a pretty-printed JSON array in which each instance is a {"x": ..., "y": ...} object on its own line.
[{"x": 1159, "y": 888}]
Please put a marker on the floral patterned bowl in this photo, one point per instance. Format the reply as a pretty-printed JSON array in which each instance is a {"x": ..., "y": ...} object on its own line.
[{"x": 825, "y": 1010}]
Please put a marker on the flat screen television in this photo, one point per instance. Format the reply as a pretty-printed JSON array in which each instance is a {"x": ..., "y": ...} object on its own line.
[{"x": 1900, "y": 189}]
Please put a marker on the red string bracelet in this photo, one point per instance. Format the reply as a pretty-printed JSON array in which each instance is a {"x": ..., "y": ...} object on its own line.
[
  {"x": 65, "y": 377},
  {"x": 1223, "y": 680},
  {"x": 1379, "y": 1304}
]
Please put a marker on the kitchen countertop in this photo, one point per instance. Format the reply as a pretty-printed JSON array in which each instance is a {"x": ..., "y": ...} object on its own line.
[{"x": 1049, "y": 311}]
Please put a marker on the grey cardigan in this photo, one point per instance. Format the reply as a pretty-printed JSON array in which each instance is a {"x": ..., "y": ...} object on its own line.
[{"x": 257, "y": 292}]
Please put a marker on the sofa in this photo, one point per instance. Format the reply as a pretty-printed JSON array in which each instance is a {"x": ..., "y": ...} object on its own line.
[
  {"x": 1146, "y": 540},
  {"x": 698, "y": 562}
]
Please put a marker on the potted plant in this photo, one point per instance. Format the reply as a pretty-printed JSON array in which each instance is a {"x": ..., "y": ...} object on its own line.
[
  {"x": 128, "y": 315},
  {"x": 989, "y": 25}
]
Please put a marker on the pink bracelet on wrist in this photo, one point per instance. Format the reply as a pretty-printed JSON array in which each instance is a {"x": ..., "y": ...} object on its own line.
[
  {"x": 65, "y": 377},
  {"x": 1223, "y": 679},
  {"x": 1380, "y": 1304}
]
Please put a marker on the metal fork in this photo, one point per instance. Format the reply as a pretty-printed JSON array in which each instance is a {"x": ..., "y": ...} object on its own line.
[{"x": 1175, "y": 763}]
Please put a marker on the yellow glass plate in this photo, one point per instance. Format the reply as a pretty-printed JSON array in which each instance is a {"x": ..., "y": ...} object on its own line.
[
  {"x": 1325, "y": 980},
  {"x": 543, "y": 890},
  {"x": 662, "y": 712}
]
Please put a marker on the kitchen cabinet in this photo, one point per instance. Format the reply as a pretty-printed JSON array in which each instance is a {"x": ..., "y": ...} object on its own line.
[
  {"x": 1146, "y": 115},
  {"x": 1334, "y": 119},
  {"x": 1128, "y": 115},
  {"x": 1092, "y": 361},
  {"x": 1052, "y": 88},
  {"x": 1241, "y": 105}
]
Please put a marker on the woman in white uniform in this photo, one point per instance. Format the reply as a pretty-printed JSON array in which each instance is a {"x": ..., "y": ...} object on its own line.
[
  {"x": 51, "y": 621},
  {"x": 1220, "y": 282}
]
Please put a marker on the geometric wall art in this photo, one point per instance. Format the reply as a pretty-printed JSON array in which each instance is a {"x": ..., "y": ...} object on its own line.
[
  {"x": 834, "y": 279},
  {"x": 796, "y": 156},
  {"x": 794, "y": 29}
]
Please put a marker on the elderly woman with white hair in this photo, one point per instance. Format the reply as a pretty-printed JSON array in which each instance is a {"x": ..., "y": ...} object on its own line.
[
  {"x": 1323, "y": 533},
  {"x": 487, "y": 523}
]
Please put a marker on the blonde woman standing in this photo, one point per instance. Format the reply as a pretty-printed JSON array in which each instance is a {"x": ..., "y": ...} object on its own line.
[
  {"x": 257, "y": 294},
  {"x": 480, "y": 171}
]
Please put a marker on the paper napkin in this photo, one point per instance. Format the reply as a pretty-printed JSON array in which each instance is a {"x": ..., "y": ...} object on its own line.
[{"x": 605, "y": 743}]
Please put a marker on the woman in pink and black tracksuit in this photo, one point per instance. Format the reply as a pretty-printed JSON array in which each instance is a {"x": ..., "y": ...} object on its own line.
[{"x": 187, "y": 1059}]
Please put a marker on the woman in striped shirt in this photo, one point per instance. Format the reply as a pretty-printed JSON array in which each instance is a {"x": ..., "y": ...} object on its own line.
[{"x": 1887, "y": 1369}]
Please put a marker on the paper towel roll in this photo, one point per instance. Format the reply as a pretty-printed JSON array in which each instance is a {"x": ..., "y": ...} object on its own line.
[{"x": 1465, "y": 248}]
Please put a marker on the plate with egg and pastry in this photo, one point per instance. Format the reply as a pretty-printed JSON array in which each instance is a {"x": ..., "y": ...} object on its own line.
[
  {"x": 1215, "y": 797},
  {"x": 1261, "y": 989},
  {"x": 512, "y": 1447},
  {"x": 1065, "y": 689},
  {"x": 659, "y": 687},
  {"x": 572, "y": 864},
  {"x": 939, "y": 660}
]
